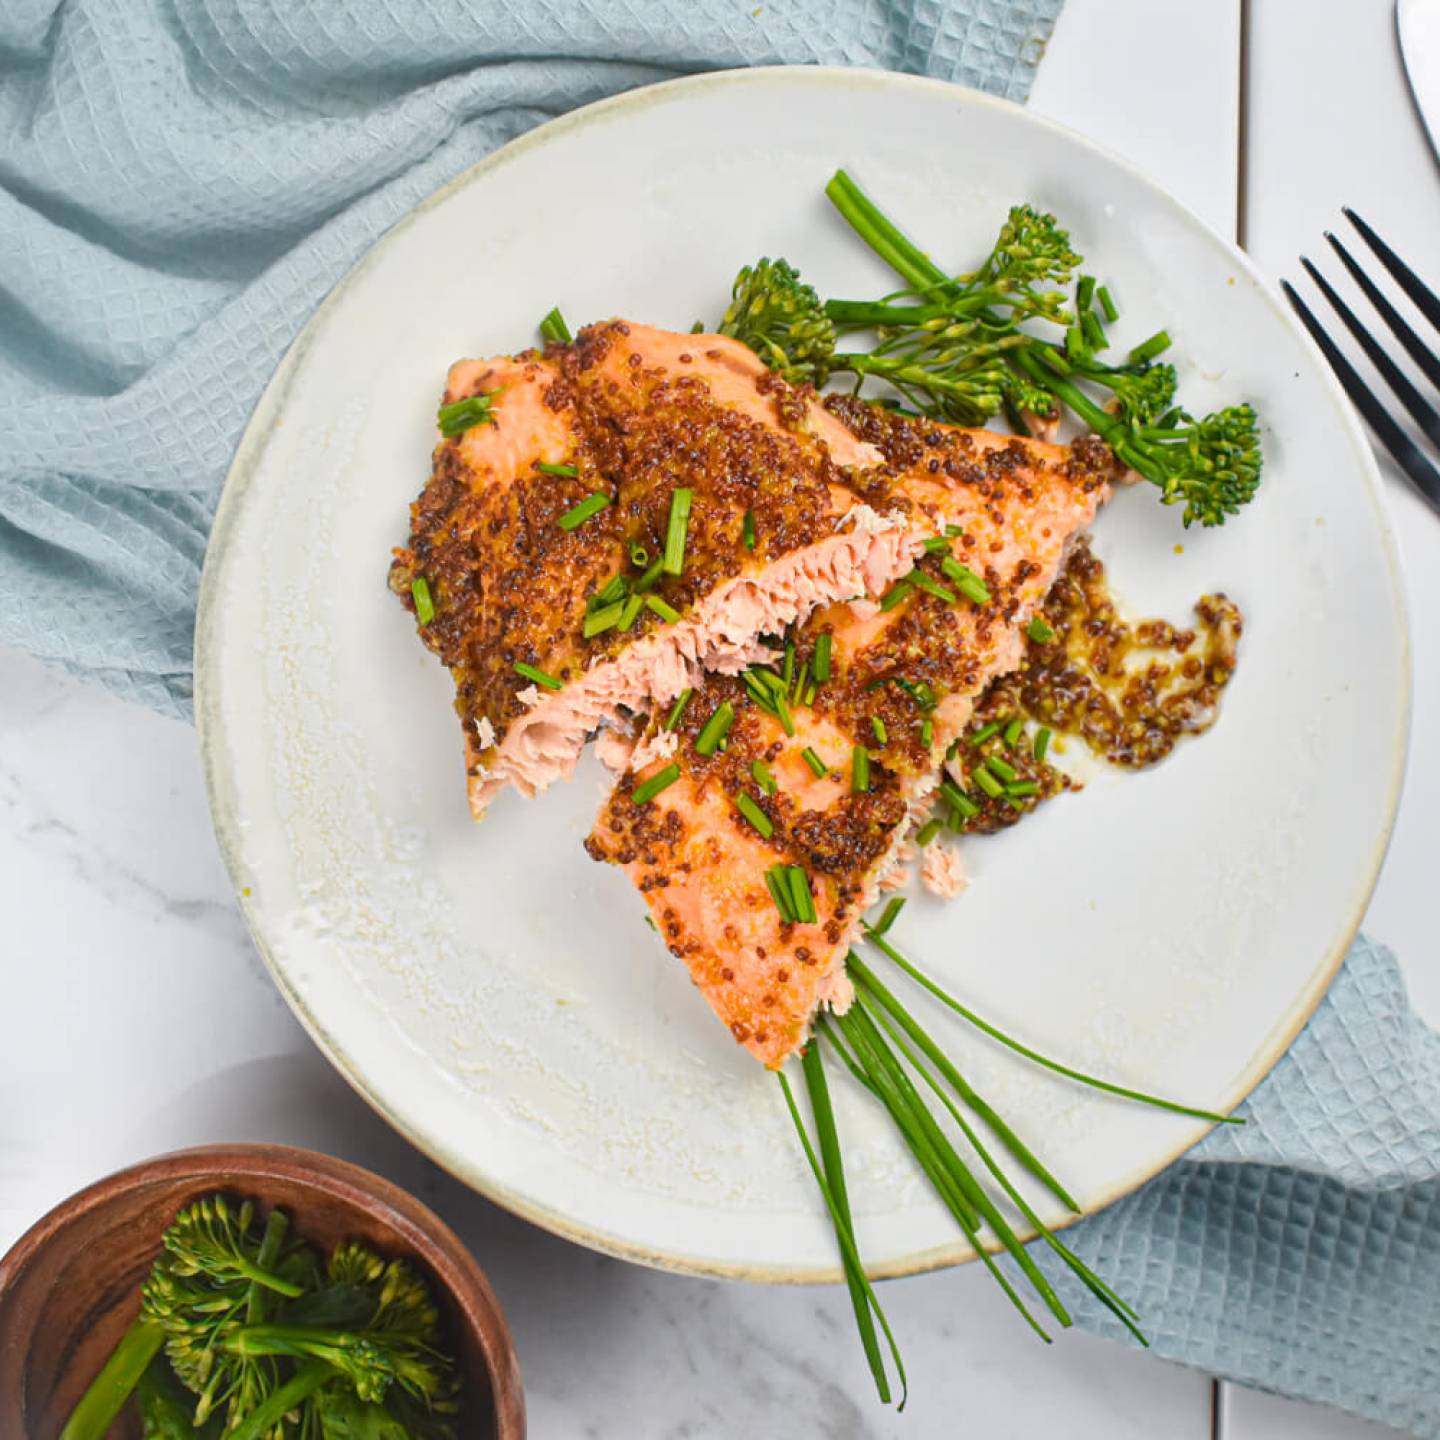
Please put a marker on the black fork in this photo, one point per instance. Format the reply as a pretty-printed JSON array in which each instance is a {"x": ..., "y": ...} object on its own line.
[{"x": 1396, "y": 439}]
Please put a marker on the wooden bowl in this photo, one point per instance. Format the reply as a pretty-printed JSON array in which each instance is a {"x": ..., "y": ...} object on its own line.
[{"x": 70, "y": 1287}]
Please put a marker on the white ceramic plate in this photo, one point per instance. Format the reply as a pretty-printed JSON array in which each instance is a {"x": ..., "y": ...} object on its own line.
[{"x": 492, "y": 991}]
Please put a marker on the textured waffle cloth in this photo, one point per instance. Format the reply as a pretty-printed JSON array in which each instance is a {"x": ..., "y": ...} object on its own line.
[
  {"x": 1301, "y": 1253},
  {"x": 181, "y": 181}
]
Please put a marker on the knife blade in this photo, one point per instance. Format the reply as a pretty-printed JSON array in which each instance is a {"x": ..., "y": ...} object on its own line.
[{"x": 1418, "y": 25}]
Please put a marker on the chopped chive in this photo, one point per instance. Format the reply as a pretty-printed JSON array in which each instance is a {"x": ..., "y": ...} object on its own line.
[
  {"x": 953, "y": 748},
  {"x": 1013, "y": 731},
  {"x": 614, "y": 589},
  {"x": 530, "y": 672},
  {"x": 970, "y": 585},
  {"x": 568, "y": 471},
  {"x": 821, "y": 665},
  {"x": 650, "y": 576},
  {"x": 1002, "y": 768},
  {"x": 461, "y": 415},
  {"x": 651, "y": 923},
  {"x": 987, "y": 782},
  {"x": 674, "y": 560},
  {"x": 553, "y": 328},
  {"x": 895, "y": 594},
  {"x": 747, "y": 530},
  {"x": 892, "y": 908},
  {"x": 647, "y": 790},
  {"x": 816, "y": 764},
  {"x": 954, "y": 531},
  {"x": 1157, "y": 344},
  {"x": 632, "y": 607},
  {"x": 1094, "y": 333},
  {"x": 957, "y": 799},
  {"x": 800, "y": 897},
  {"x": 782, "y": 714},
  {"x": 579, "y": 514},
  {"x": 605, "y": 618},
  {"x": 639, "y": 555},
  {"x": 926, "y": 833},
  {"x": 922, "y": 581},
  {"x": 788, "y": 673},
  {"x": 877, "y": 725},
  {"x": 1054, "y": 358},
  {"x": 920, "y": 692},
  {"x": 779, "y": 888},
  {"x": 1085, "y": 292},
  {"x": 927, "y": 732},
  {"x": 667, "y": 613},
  {"x": 809, "y": 694},
  {"x": 755, "y": 815},
  {"x": 761, "y": 773},
  {"x": 1107, "y": 305},
  {"x": 1042, "y": 742},
  {"x": 802, "y": 681},
  {"x": 860, "y": 770},
  {"x": 424, "y": 605},
  {"x": 1021, "y": 787},
  {"x": 1039, "y": 631},
  {"x": 936, "y": 545},
  {"x": 985, "y": 732},
  {"x": 715, "y": 729},
  {"x": 678, "y": 709}
]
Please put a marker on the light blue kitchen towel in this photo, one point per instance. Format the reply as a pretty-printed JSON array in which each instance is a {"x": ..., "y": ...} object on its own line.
[
  {"x": 181, "y": 181},
  {"x": 1301, "y": 1253}
]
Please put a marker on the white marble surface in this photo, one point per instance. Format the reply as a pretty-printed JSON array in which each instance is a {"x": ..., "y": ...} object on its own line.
[{"x": 141, "y": 1019}]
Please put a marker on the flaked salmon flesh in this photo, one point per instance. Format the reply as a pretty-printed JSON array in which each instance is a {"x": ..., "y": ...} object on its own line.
[
  {"x": 637, "y": 414},
  {"x": 910, "y": 671}
]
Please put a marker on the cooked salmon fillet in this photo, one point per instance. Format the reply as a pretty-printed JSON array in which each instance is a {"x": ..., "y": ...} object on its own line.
[
  {"x": 778, "y": 524},
  {"x": 915, "y": 663}
]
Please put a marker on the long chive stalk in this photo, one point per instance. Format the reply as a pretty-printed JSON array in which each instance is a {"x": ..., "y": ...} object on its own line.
[
  {"x": 885, "y": 1000},
  {"x": 863, "y": 1023},
  {"x": 813, "y": 1068},
  {"x": 863, "y": 1065},
  {"x": 845, "y": 1238},
  {"x": 1092, "y": 1282},
  {"x": 965, "y": 1013}
]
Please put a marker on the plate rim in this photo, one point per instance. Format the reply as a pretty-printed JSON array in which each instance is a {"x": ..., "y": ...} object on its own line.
[{"x": 207, "y": 685}]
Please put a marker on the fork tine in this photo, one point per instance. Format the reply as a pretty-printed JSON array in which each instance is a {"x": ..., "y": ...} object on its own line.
[
  {"x": 1410, "y": 282},
  {"x": 1415, "y": 347},
  {"x": 1408, "y": 455},
  {"x": 1418, "y": 406}
]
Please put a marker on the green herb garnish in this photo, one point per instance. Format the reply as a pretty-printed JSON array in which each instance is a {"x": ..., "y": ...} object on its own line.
[
  {"x": 818, "y": 767},
  {"x": 674, "y": 558},
  {"x": 607, "y": 617},
  {"x": 579, "y": 514},
  {"x": 754, "y": 814},
  {"x": 747, "y": 530},
  {"x": 715, "y": 729},
  {"x": 967, "y": 582},
  {"x": 860, "y": 770},
  {"x": 540, "y": 677},
  {"x": 763, "y": 776},
  {"x": 569, "y": 472},
  {"x": 461, "y": 415},
  {"x": 673, "y": 720},
  {"x": 893, "y": 907},
  {"x": 647, "y": 790},
  {"x": 877, "y": 727},
  {"x": 1039, "y": 631},
  {"x": 821, "y": 664},
  {"x": 424, "y": 605},
  {"x": 1042, "y": 742},
  {"x": 668, "y": 613},
  {"x": 554, "y": 330}
]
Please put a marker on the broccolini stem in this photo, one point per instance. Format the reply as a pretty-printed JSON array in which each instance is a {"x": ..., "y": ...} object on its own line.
[
  {"x": 114, "y": 1385},
  {"x": 275, "y": 1227},
  {"x": 890, "y": 243},
  {"x": 306, "y": 1381}
]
